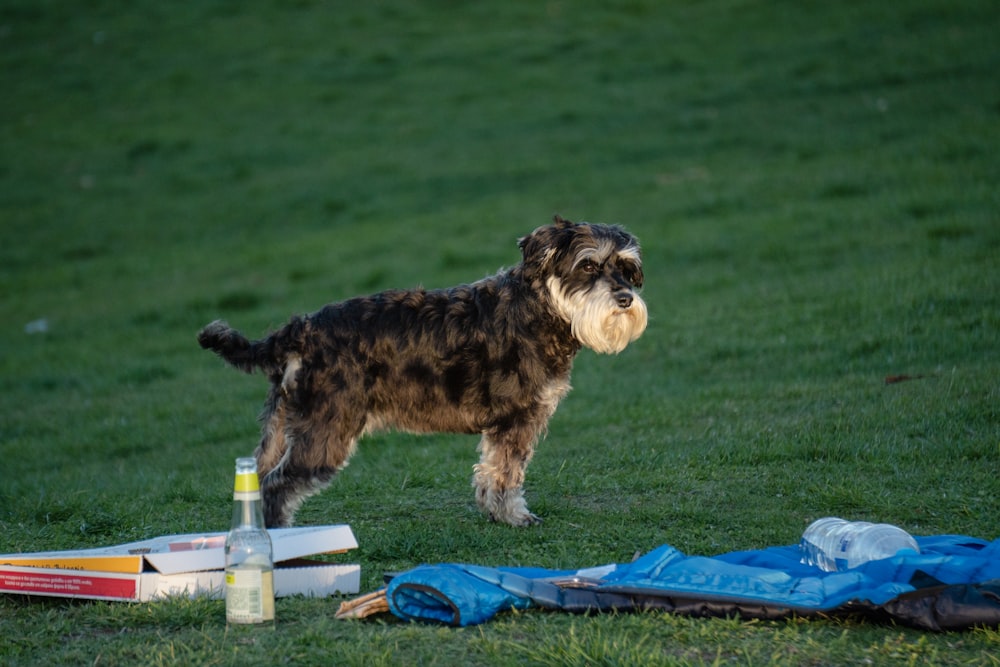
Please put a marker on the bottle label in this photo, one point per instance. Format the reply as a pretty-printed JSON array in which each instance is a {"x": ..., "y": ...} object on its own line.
[
  {"x": 249, "y": 595},
  {"x": 247, "y": 487}
]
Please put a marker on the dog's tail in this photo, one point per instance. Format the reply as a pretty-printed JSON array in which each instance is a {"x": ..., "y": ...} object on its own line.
[{"x": 240, "y": 351}]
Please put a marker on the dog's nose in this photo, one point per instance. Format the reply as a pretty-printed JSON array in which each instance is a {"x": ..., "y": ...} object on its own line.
[{"x": 624, "y": 300}]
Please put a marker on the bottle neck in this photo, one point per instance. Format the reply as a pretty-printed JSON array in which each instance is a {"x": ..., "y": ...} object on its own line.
[
  {"x": 248, "y": 508},
  {"x": 248, "y": 513}
]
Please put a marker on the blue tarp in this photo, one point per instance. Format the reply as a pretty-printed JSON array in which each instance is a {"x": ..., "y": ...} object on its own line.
[{"x": 953, "y": 583}]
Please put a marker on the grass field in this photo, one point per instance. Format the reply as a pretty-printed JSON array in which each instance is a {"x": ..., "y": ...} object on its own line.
[{"x": 816, "y": 189}]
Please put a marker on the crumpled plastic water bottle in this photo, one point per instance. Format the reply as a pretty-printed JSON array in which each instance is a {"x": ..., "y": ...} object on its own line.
[{"x": 835, "y": 545}]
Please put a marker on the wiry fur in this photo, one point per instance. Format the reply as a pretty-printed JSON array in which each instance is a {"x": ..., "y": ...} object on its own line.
[{"x": 490, "y": 358}]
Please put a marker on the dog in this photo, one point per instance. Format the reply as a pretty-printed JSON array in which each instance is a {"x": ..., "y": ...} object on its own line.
[{"x": 491, "y": 358}]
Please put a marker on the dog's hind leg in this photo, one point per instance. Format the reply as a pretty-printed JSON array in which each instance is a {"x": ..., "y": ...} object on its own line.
[
  {"x": 273, "y": 433},
  {"x": 499, "y": 476},
  {"x": 315, "y": 450},
  {"x": 286, "y": 487}
]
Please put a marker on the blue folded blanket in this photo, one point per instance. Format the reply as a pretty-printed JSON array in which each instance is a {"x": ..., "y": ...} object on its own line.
[{"x": 953, "y": 583}]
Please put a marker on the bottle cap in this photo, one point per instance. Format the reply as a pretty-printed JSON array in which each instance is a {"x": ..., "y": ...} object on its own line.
[{"x": 247, "y": 485}]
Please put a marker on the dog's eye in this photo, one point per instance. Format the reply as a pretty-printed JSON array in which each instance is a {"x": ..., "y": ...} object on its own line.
[
  {"x": 590, "y": 267},
  {"x": 630, "y": 273}
]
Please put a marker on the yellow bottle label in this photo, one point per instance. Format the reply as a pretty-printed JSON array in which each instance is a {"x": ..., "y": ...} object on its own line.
[
  {"x": 247, "y": 487},
  {"x": 247, "y": 482}
]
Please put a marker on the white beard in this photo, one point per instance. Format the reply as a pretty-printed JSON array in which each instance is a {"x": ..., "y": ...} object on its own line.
[{"x": 595, "y": 318}]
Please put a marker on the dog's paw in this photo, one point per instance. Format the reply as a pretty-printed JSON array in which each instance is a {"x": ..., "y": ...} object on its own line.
[
  {"x": 519, "y": 521},
  {"x": 530, "y": 519}
]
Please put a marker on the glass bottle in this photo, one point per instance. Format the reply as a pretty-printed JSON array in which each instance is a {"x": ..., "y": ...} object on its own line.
[{"x": 249, "y": 564}]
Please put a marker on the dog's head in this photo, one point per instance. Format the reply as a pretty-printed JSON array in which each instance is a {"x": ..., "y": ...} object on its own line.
[{"x": 592, "y": 274}]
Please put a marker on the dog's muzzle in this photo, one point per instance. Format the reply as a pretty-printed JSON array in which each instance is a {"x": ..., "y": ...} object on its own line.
[
  {"x": 602, "y": 319},
  {"x": 624, "y": 299}
]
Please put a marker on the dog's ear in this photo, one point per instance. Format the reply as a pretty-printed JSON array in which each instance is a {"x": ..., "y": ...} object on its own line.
[
  {"x": 561, "y": 222},
  {"x": 533, "y": 246},
  {"x": 538, "y": 248}
]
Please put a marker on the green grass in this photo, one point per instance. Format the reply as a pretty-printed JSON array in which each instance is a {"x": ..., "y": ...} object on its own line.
[{"x": 815, "y": 188}]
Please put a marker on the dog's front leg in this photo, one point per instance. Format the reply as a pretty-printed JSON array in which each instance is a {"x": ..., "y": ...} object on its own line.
[{"x": 499, "y": 477}]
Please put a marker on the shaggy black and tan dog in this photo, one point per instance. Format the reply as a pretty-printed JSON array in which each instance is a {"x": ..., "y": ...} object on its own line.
[{"x": 490, "y": 358}]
